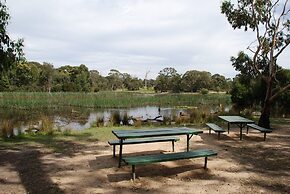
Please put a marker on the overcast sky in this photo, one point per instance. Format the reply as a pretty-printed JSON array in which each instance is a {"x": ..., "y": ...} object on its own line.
[{"x": 132, "y": 36}]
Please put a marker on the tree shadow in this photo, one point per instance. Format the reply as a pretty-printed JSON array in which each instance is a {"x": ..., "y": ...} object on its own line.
[
  {"x": 268, "y": 159},
  {"x": 25, "y": 156},
  {"x": 30, "y": 170},
  {"x": 183, "y": 169}
]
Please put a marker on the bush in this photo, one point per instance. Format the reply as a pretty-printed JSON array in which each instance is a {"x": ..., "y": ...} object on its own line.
[{"x": 204, "y": 91}]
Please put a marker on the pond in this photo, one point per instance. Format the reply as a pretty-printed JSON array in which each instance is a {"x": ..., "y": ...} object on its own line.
[{"x": 71, "y": 118}]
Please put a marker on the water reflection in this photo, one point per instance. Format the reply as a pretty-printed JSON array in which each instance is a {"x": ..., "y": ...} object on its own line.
[{"x": 79, "y": 119}]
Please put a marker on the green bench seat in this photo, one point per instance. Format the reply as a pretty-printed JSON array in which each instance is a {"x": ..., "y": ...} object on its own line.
[
  {"x": 147, "y": 159},
  {"x": 261, "y": 129},
  {"x": 114, "y": 143},
  {"x": 215, "y": 128}
]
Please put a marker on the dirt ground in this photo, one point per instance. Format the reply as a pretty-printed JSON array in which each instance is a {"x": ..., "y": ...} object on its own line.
[{"x": 247, "y": 166}]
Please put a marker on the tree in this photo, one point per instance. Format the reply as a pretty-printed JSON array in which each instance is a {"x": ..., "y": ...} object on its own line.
[
  {"x": 167, "y": 80},
  {"x": 24, "y": 76},
  {"x": 270, "y": 22},
  {"x": 10, "y": 51},
  {"x": 219, "y": 83},
  {"x": 72, "y": 79},
  {"x": 193, "y": 81},
  {"x": 115, "y": 79},
  {"x": 46, "y": 76},
  {"x": 131, "y": 83}
]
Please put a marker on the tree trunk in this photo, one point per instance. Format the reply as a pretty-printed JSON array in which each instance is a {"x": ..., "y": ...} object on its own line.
[{"x": 264, "y": 120}]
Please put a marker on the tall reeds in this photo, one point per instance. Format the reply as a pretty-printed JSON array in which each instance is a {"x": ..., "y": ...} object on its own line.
[
  {"x": 32, "y": 100},
  {"x": 6, "y": 128}
]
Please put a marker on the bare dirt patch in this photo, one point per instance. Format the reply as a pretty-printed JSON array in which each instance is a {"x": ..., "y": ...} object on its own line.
[{"x": 247, "y": 166}]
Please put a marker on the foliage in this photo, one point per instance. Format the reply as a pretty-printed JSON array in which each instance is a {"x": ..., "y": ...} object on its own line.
[
  {"x": 10, "y": 50},
  {"x": 38, "y": 100},
  {"x": 204, "y": 91},
  {"x": 193, "y": 81},
  {"x": 219, "y": 83},
  {"x": 270, "y": 22},
  {"x": 167, "y": 80}
]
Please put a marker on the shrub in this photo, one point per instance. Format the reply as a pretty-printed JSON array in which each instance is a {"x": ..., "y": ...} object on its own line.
[{"x": 204, "y": 91}]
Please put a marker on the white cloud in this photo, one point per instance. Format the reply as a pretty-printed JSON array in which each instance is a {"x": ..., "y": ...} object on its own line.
[{"x": 133, "y": 36}]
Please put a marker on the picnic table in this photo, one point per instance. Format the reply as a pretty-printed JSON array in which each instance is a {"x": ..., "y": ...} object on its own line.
[
  {"x": 238, "y": 120},
  {"x": 130, "y": 134}
]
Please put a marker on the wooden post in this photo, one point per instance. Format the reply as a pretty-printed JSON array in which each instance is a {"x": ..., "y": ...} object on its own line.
[
  {"x": 172, "y": 145},
  {"x": 114, "y": 150}
]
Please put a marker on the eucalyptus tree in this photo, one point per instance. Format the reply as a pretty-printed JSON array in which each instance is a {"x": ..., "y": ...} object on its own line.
[
  {"x": 219, "y": 83},
  {"x": 269, "y": 20},
  {"x": 115, "y": 78},
  {"x": 10, "y": 50},
  {"x": 98, "y": 81},
  {"x": 46, "y": 76},
  {"x": 193, "y": 80},
  {"x": 131, "y": 83},
  {"x": 25, "y": 76},
  {"x": 167, "y": 80}
]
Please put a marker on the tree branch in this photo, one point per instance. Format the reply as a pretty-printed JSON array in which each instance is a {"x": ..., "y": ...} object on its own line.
[
  {"x": 280, "y": 51},
  {"x": 287, "y": 87}
]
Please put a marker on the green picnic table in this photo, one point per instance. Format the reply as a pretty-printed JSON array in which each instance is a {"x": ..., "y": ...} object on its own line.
[
  {"x": 238, "y": 120},
  {"x": 130, "y": 134}
]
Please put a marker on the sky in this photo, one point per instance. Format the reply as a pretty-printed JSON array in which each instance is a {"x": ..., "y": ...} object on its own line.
[{"x": 132, "y": 36}]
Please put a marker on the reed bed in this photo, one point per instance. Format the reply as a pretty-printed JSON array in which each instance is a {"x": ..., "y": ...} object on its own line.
[{"x": 33, "y": 100}]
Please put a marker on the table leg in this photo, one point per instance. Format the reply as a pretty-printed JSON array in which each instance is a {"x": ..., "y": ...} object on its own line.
[
  {"x": 187, "y": 142},
  {"x": 241, "y": 132},
  {"x": 120, "y": 152},
  {"x": 228, "y": 127}
]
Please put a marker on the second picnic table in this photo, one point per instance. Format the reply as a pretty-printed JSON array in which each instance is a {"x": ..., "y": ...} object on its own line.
[
  {"x": 129, "y": 134},
  {"x": 238, "y": 120}
]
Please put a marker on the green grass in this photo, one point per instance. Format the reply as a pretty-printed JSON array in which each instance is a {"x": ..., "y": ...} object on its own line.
[
  {"x": 34, "y": 100},
  {"x": 65, "y": 142},
  {"x": 60, "y": 142}
]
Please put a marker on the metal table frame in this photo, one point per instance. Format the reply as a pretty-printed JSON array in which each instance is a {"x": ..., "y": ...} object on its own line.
[
  {"x": 241, "y": 122},
  {"x": 128, "y": 134}
]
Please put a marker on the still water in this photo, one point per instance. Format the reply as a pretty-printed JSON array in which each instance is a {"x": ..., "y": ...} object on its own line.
[{"x": 70, "y": 118}]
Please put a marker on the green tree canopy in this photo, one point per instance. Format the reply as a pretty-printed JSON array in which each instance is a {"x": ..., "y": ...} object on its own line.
[
  {"x": 167, "y": 80},
  {"x": 10, "y": 50},
  {"x": 270, "y": 22}
]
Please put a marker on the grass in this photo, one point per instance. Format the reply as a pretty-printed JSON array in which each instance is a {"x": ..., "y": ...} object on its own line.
[
  {"x": 35, "y": 100},
  {"x": 64, "y": 142}
]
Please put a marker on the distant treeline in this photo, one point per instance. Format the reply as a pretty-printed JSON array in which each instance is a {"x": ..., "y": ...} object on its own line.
[{"x": 36, "y": 77}]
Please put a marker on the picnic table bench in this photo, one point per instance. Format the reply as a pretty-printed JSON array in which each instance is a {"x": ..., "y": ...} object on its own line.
[
  {"x": 114, "y": 143},
  {"x": 261, "y": 129},
  {"x": 215, "y": 128},
  {"x": 147, "y": 159},
  {"x": 124, "y": 135}
]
